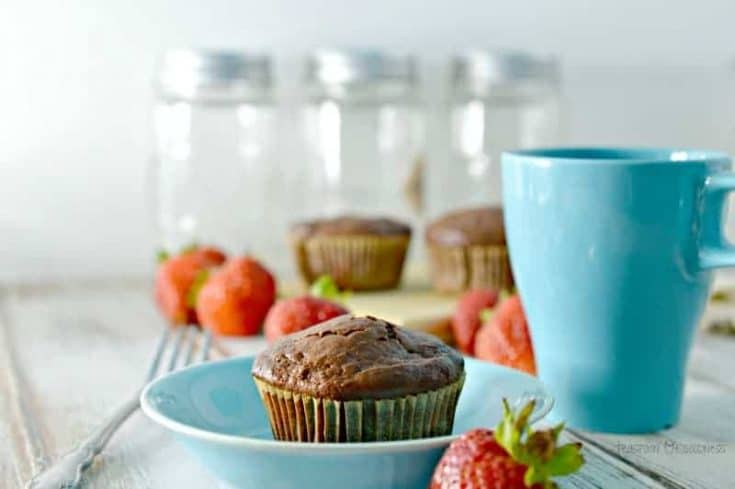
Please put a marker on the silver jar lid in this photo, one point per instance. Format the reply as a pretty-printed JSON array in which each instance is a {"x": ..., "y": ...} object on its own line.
[
  {"x": 347, "y": 66},
  {"x": 213, "y": 74},
  {"x": 478, "y": 69}
]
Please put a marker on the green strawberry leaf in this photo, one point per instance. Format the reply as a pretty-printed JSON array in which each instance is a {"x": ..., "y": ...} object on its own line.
[
  {"x": 511, "y": 430},
  {"x": 193, "y": 246},
  {"x": 162, "y": 255},
  {"x": 199, "y": 280},
  {"x": 537, "y": 450},
  {"x": 536, "y": 476},
  {"x": 532, "y": 476},
  {"x": 521, "y": 421},
  {"x": 486, "y": 314},
  {"x": 326, "y": 288},
  {"x": 566, "y": 460}
]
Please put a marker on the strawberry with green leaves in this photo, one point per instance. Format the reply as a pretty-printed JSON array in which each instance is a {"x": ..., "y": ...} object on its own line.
[
  {"x": 466, "y": 320},
  {"x": 178, "y": 276},
  {"x": 298, "y": 313},
  {"x": 504, "y": 337},
  {"x": 514, "y": 456}
]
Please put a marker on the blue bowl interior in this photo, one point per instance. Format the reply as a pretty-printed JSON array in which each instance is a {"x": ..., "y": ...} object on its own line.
[{"x": 221, "y": 398}]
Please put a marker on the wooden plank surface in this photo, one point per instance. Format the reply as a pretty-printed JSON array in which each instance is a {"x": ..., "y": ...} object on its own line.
[
  {"x": 81, "y": 351},
  {"x": 70, "y": 353}
]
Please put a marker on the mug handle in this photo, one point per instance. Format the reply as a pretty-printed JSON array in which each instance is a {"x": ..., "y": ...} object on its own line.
[{"x": 715, "y": 250}]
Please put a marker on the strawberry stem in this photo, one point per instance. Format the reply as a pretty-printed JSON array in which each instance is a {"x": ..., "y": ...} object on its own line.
[
  {"x": 162, "y": 255},
  {"x": 193, "y": 246},
  {"x": 537, "y": 450},
  {"x": 326, "y": 288}
]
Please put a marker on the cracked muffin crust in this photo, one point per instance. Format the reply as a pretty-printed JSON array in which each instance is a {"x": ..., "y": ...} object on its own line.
[{"x": 349, "y": 358}]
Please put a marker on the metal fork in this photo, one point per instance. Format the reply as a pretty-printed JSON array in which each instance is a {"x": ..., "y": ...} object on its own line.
[{"x": 67, "y": 471}]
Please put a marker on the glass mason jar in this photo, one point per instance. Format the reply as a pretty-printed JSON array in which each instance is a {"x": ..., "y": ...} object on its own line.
[
  {"x": 212, "y": 173},
  {"x": 499, "y": 100},
  {"x": 364, "y": 133}
]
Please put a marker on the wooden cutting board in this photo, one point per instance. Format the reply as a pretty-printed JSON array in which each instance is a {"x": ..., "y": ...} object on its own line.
[{"x": 414, "y": 304}]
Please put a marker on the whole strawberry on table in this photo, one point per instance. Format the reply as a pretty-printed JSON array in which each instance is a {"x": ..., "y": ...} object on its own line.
[
  {"x": 236, "y": 296},
  {"x": 514, "y": 456},
  {"x": 297, "y": 313},
  {"x": 504, "y": 337},
  {"x": 200, "y": 285},
  {"x": 177, "y": 278},
  {"x": 467, "y": 318},
  {"x": 493, "y": 327}
]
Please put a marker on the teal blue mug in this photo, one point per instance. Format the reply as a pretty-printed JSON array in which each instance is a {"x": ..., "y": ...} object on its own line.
[{"x": 612, "y": 251}]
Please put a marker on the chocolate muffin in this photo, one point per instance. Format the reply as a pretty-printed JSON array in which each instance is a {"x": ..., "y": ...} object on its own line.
[
  {"x": 353, "y": 379},
  {"x": 467, "y": 250},
  {"x": 358, "y": 253}
]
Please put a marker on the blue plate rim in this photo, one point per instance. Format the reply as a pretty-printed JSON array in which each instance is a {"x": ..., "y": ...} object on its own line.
[{"x": 306, "y": 448}]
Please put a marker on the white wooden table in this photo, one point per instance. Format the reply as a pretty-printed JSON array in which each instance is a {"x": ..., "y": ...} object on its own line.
[{"x": 70, "y": 353}]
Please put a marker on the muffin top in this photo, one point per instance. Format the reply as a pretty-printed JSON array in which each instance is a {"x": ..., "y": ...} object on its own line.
[
  {"x": 349, "y": 358},
  {"x": 350, "y": 226},
  {"x": 466, "y": 227}
]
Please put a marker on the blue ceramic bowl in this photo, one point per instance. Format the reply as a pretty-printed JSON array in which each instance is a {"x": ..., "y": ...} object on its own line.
[{"x": 214, "y": 410}]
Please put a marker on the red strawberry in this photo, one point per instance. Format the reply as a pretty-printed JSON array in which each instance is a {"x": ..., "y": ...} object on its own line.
[
  {"x": 236, "y": 297},
  {"x": 466, "y": 320},
  {"x": 292, "y": 315},
  {"x": 504, "y": 338},
  {"x": 512, "y": 457},
  {"x": 175, "y": 278}
]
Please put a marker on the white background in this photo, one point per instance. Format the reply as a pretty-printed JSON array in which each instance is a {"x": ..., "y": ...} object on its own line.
[{"x": 75, "y": 92}]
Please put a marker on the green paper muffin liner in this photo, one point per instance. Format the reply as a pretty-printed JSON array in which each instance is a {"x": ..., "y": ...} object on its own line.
[
  {"x": 458, "y": 268},
  {"x": 354, "y": 262},
  {"x": 298, "y": 417}
]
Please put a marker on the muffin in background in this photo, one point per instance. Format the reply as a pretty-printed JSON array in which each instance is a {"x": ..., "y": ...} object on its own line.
[
  {"x": 358, "y": 379},
  {"x": 467, "y": 250},
  {"x": 358, "y": 253}
]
